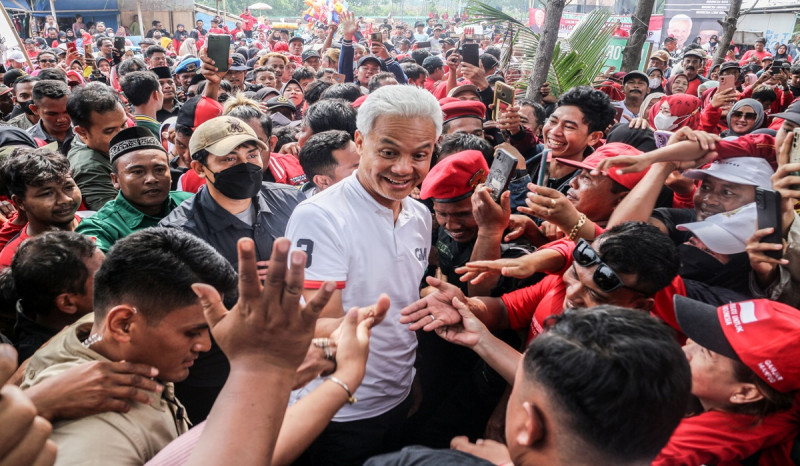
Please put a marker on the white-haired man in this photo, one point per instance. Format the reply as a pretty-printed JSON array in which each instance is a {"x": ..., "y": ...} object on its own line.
[{"x": 366, "y": 234}]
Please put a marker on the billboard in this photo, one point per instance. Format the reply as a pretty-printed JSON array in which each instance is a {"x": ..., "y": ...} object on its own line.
[
  {"x": 570, "y": 20},
  {"x": 687, "y": 20}
]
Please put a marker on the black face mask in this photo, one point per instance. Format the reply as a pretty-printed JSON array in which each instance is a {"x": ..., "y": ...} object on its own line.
[
  {"x": 25, "y": 106},
  {"x": 242, "y": 181},
  {"x": 698, "y": 265}
]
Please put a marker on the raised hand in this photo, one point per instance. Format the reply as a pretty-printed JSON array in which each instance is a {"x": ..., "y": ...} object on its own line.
[{"x": 435, "y": 310}]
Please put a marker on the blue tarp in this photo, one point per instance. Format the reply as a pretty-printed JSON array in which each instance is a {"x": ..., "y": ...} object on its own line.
[
  {"x": 92, "y": 10},
  {"x": 18, "y": 5}
]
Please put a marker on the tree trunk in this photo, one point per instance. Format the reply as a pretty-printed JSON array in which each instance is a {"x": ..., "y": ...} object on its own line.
[
  {"x": 728, "y": 28},
  {"x": 632, "y": 53},
  {"x": 547, "y": 44}
]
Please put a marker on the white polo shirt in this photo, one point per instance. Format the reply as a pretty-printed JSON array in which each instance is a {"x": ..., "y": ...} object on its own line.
[{"x": 351, "y": 239}]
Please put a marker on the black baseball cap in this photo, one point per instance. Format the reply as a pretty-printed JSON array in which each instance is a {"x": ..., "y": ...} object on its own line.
[
  {"x": 371, "y": 58},
  {"x": 792, "y": 113},
  {"x": 239, "y": 63}
]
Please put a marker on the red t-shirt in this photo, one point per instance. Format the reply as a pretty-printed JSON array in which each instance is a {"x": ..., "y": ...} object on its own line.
[
  {"x": 7, "y": 254},
  {"x": 532, "y": 305},
  {"x": 9, "y": 230},
  {"x": 721, "y": 438}
]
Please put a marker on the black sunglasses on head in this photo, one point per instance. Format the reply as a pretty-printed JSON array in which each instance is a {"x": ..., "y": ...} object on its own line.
[{"x": 604, "y": 276}]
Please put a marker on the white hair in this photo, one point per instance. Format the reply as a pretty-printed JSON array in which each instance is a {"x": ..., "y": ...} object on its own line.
[{"x": 408, "y": 102}]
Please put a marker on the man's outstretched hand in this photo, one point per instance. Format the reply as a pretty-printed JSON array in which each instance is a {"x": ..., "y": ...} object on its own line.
[{"x": 268, "y": 324}]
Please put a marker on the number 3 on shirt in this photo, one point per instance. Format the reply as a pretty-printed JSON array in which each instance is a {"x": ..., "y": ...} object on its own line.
[{"x": 308, "y": 247}]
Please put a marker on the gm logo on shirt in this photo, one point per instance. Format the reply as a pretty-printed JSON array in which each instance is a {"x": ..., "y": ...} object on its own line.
[{"x": 421, "y": 254}]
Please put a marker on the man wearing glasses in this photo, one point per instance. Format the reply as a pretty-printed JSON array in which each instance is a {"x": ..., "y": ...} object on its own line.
[
  {"x": 47, "y": 59},
  {"x": 630, "y": 266}
]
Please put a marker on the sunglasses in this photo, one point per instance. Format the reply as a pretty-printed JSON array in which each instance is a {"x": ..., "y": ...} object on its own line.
[
  {"x": 604, "y": 276},
  {"x": 47, "y": 61},
  {"x": 746, "y": 115}
]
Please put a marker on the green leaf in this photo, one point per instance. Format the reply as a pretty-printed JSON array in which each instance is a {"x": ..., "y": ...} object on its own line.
[{"x": 576, "y": 60}]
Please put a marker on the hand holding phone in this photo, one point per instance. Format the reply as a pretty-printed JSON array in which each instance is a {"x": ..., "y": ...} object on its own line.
[
  {"x": 503, "y": 98},
  {"x": 768, "y": 205},
  {"x": 219, "y": 48},
  {"x": 500, "y": 173}
]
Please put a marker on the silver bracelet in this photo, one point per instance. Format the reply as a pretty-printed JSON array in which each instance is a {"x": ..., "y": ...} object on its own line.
[{"x": 350, "y": 398}]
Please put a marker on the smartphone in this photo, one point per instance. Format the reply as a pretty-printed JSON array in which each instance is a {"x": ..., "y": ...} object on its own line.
[
  {"x": 423, "y": 45},
  {"x": 119, "y": 43},
  {"x": 777, "y": 64},
  {"x": 470, "y": 54},
  {"x": 619, "y": 112},
  {"x": 376, "y": 37},
  {"x": 219, "y": 50},
  {"x": 338, "y": 78},
  {"x": 794, "y": 154},
  {"x": 87, "y": 48},
  {"x": 541, "y": 176},
  {"x": 727, "y": 82},
  {"x": 500, "y": 173},
  {"x": 768, "y": 209},
  {"x": 71, "y": 47},
  {"x": 661, "y": 137},
  {"x": 503, "y": 98}
]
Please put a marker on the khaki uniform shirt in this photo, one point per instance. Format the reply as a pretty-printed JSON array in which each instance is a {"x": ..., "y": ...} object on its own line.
[{"x": 108, "y": 438}]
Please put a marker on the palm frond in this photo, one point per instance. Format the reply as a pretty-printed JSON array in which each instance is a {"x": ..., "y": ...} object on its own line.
[{"x": 576, "y": 59}]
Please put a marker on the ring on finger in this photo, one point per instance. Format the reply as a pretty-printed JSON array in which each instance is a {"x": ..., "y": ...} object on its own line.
[
  {"x": 552, "y": 202},
  {"x": 433, "y": 318}
]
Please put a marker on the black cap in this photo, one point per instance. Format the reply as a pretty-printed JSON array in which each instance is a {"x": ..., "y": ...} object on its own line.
[
  {"x": 239, "y": 63},
  {"x": 280, "y": 102},
  {"x": 634, "y": 74},
  {"x": 699, "y": 321},
  {"x": 762, "y": 40},
  {"x": 11, "y": 77},
  {"x": 432, "y": 63},
  {"x": 162, "y": 72},
  {"x": 132, "y": 139},
  {"x": 729, "y": 65},
  {"x": 309, "y": 54},
  {"x": 295, "y": 38},
  {"x": 371, "y": 58}
]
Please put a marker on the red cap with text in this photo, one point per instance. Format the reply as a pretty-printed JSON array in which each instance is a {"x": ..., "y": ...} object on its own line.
[
  {"x": 760, "y": 333},
  {"x": 455, "y": 177}
]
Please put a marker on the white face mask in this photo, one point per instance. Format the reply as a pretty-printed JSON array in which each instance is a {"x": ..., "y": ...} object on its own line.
[
  {"x": 654, "y": 83},
  {"x": 664, "y": 122}
]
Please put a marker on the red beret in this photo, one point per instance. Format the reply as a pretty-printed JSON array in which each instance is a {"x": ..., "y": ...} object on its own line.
[
  {"x": 454, "y": 178},
  {"x": 462, "y": 109},
  {"x": 280, "y": 47}
]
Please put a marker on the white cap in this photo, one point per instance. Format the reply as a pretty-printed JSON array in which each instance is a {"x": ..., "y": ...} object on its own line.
[
  {"x": 753, "y": 171},
  {"x": 17, "y": 56},
  {"x": 726, "y": 233}
]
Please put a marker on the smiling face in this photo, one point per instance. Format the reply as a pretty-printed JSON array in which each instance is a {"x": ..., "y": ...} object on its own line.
[
  {"x": 395, "y": 157},
  {"x": 680, "y": 85},
  {"x": 582, "y": 291},
  {"x": 715, "y": 196},
  {"x": 566, "y": 134},
  {"x": 144, "y": 179},
  {"x": 51, "y": 204},
  {"x": 743, "y": 119}
]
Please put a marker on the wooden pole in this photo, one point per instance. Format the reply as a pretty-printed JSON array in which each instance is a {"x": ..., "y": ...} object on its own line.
[
  {"x": 547, "y": 44},
  {"x": 728, "y": 28},
  {"x": 16, "y": 35},
  {"x": 632, "y": 53}
]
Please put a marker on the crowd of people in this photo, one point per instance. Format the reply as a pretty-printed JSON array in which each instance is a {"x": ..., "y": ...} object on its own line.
[{"x": 294, "y": 257}]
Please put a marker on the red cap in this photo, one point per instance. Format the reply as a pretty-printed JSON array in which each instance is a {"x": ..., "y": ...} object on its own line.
[
  {"x": 760, "y": 333},
  {"x": 462, "y": 109},
  {"x": 611, "y": 149},
  {"x": 280, "y": 47},
  {"x": 198, "y": 110},
  {"x": 454, "y": 178}
]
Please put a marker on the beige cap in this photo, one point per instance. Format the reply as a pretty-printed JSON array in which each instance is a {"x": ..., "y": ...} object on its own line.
[
  {"x": 660, "y": 56},
  {"x": 221, "y": 135},
  {"x": 464, "y": 88}
]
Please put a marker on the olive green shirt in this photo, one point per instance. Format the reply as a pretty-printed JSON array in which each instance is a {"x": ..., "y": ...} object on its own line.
[
  {"x": 118, "y": 219},
  {"x": 91, "y": 171}
]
